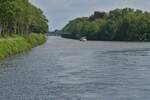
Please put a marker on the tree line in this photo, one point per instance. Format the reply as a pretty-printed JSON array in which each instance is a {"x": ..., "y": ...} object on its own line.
[
  {"x": 21, "y": 17},
  {"x": 120, "y": 25}
]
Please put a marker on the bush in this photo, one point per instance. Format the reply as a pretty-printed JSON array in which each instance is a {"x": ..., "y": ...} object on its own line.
[{"x": 17, "y": 44}]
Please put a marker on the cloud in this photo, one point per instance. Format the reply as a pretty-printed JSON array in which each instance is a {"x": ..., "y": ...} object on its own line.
[{"x": 59, "y": 12}]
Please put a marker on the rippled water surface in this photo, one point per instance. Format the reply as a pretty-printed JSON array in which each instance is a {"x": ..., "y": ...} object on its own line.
[{"x": 64, "y": 69}]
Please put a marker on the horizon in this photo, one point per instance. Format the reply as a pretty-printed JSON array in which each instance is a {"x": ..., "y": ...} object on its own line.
[{"x": 59, "y": 13}]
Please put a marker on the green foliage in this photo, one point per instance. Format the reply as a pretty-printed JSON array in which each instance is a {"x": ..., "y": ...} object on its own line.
[
  {"x": 21, "y": 17},
  {"x": 35, "y": 39},
  {"x": 17, "y": 44},
  {"x": 120, "y": 25}
]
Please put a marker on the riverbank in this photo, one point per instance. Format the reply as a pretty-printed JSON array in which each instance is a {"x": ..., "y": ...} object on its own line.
[{"x": 17, "y": 44}]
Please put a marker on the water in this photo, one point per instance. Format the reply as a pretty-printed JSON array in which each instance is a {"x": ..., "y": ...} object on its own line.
[{"x": 64, "y": 69}]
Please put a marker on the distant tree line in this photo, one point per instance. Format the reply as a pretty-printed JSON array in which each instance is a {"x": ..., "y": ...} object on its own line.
[
  {"x": 21, "y": 17},
  {"x": 120, "y": 25}
]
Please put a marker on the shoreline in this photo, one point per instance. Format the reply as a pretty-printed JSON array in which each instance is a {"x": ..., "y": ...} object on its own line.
[{"x": 10, "y": 46}]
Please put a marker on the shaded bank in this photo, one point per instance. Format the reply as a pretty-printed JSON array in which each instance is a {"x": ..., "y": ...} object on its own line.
[
  {"x": 17, "y": 44},
  {"x": 68, "y": 35}
]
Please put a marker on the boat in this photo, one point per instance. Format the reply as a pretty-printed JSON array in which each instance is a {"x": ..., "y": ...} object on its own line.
[{"x": 83, "y": 39}]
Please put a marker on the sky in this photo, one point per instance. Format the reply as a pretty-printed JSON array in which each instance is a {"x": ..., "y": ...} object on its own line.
[{"x": 60, "y": 12}]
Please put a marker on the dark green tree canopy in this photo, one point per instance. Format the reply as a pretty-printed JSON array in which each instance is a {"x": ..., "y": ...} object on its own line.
[{"x": 120, "y": 25}]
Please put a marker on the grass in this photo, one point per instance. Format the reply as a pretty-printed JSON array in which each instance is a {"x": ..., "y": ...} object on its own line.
[{"x": 17, "y": 44}]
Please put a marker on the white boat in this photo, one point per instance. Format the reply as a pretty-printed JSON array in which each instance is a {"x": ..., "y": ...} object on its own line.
[{"x": 83, "y": 39}]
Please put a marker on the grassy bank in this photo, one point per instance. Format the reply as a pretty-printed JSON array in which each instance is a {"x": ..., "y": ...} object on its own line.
[{"x": 17, "y": 44}]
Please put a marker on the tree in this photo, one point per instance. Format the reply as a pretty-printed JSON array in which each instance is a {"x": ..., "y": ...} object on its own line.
[
  {"x": 120, "y": 24},
  {"x": 21, "y": 17}
]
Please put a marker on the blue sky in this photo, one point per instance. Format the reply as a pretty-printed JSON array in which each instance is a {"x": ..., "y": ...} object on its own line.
[{"x": 59, "y": 12}]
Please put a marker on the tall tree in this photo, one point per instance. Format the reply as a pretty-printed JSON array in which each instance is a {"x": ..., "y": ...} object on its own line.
[{"x": 20, "y": 16}]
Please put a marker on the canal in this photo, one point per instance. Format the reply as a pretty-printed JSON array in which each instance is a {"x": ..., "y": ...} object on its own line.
[{"x": 65, "y": 69}]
